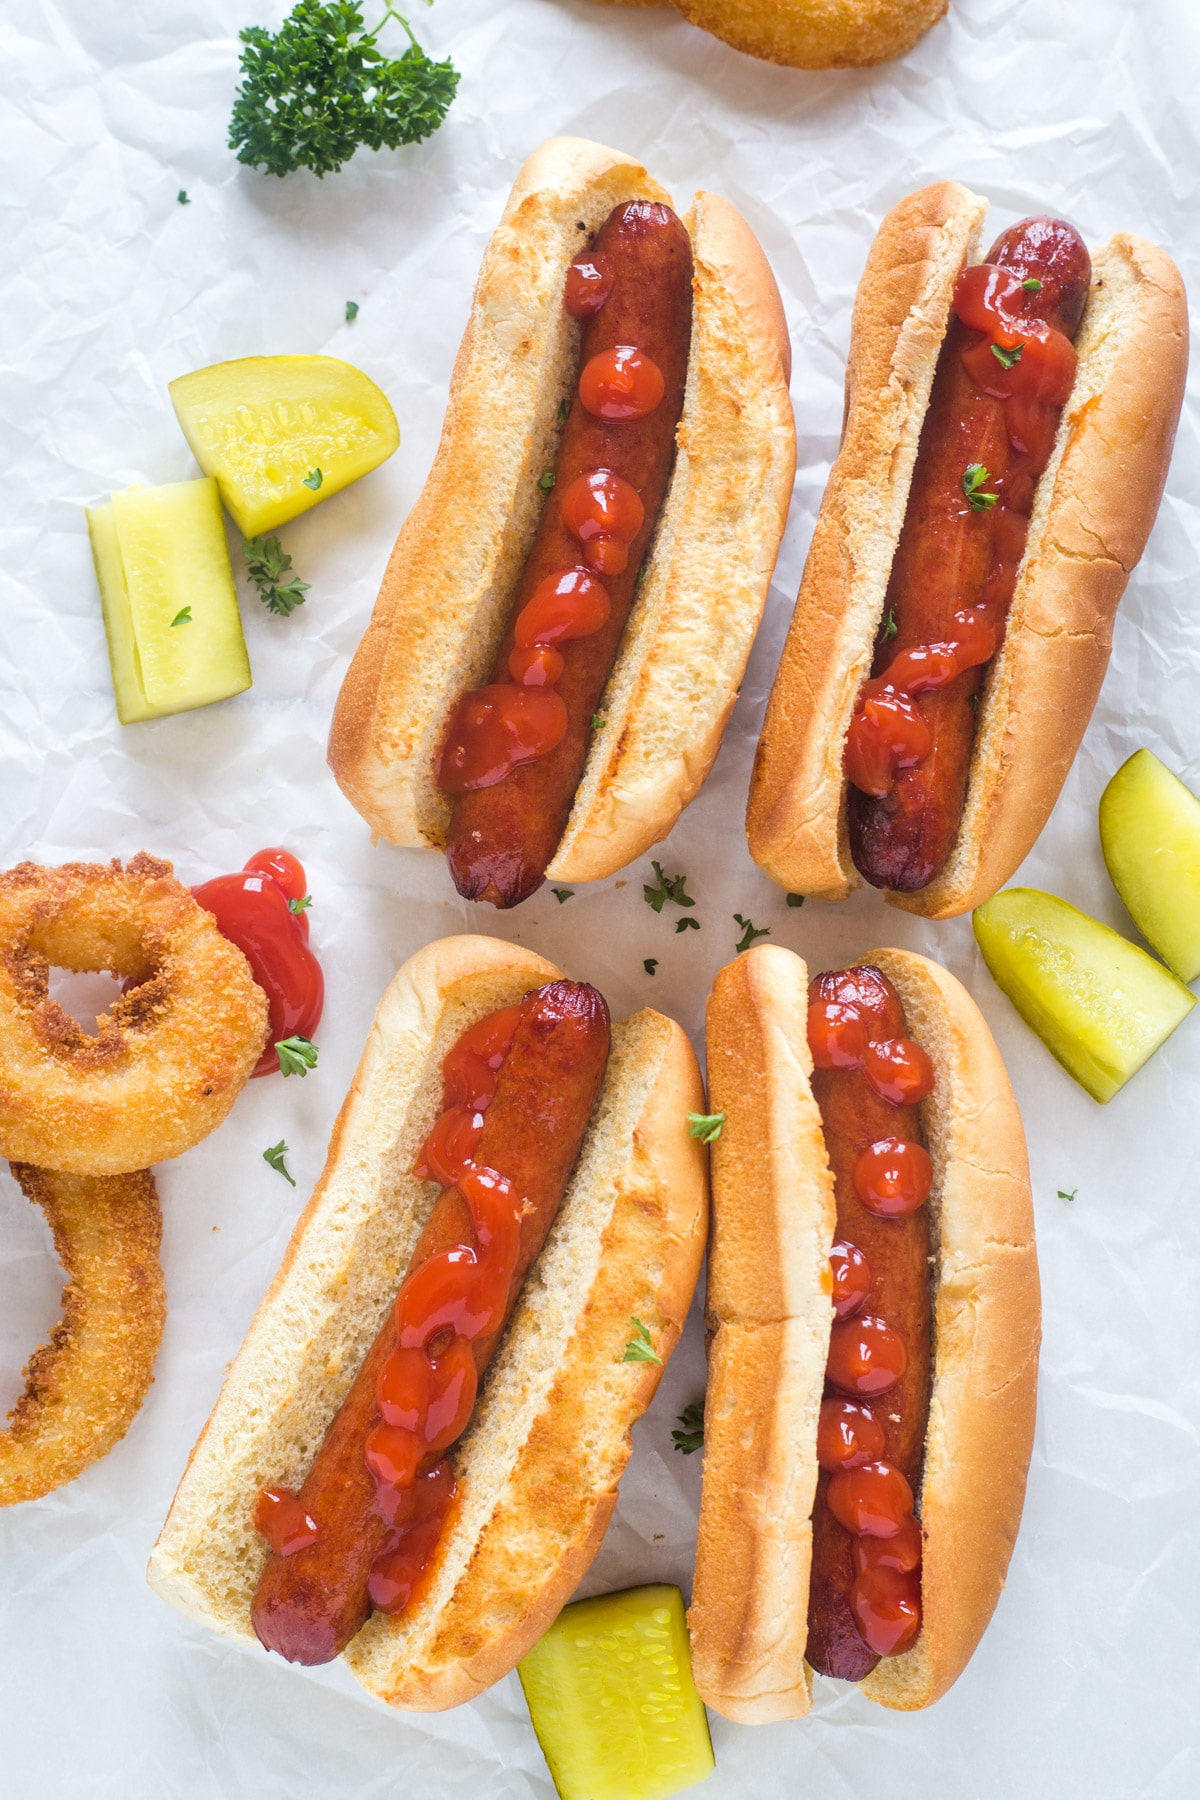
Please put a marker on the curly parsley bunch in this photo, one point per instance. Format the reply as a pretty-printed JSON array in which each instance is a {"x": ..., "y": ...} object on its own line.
[{"x": 317, "y": 89}]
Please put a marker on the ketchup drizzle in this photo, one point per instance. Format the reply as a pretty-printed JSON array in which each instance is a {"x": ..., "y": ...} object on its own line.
[
  {"x": 1029, "y": 366},
  {"x": 498, "y": 728},
  {"x": 868, "y": 1496}
]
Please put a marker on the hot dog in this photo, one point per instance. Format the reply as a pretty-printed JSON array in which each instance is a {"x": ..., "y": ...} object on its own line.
[
  {"x": 417, "y": 1449},
  {"x": 311, "y": 1602},
  {"x": 467, "y": 718},
  {"x": 874, "y": 1311},
  {"x": 1008, "y": 430},
  {"x": 504, "y": 834}
]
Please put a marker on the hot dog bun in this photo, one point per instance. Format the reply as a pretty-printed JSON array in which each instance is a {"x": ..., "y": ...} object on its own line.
[
  {"x": 550, "y": 1438},
  {"x": 1092, "y": 515},
  {"x": 773, "y": 1220},
  {"x": 446, "y": 593}
]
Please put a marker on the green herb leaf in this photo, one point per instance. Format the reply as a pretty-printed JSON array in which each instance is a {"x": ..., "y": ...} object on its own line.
[
  {"x": 296, "y": 1056},
  {"x": 275, "y": 1156},
  {"x": 319, "y": 88},
  {"x": 750, "y": 931},
  {"x": 1063, "y": 1195},
  {"x": 795, "y": 899},
  {"x": 563, "y": 412},
  {"x": 973, "y": 701},
  {"x": 296, "y": 906},
  {"x": 640, "y": 1347},
  {"x": 1032, "y": 285},
  {"x": 974, "y": 476},
  {"x": 183, "y": 198},
  {"x": 352, "y": 311},
  {"x": 890, "y": 627},
  {"x": 182, "y": 617},
  {"x": 650, "y": 964},
  {"x": 1007, "y": 359},
  {"x": 598, "y": 722},
  {"x": 691, "y": 1437},
  {"x": 705, "y": 1126},
  {"x": 266, "y": 561},
  {"x": 546, "y": 481},
  {"x": 686, "y": 925},
  {"x": 666, "y": 887},
  {"x": 313, "y": 479},
  {"x": 561, "y": 894}
]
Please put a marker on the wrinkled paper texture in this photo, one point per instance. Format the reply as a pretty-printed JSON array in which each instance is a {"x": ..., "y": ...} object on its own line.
[{"x": 1086, "y": 1682}]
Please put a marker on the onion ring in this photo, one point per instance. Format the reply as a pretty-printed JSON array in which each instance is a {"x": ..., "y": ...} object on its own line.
[
  {"x": 84, "y": 1387},
  {"x": 171, "y": 1054}
]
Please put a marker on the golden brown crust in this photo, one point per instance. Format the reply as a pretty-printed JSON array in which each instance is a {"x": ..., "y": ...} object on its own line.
[
  {"x": 1093, "y": 511},
  {"x": 773, "y": 1222},
  {"x": 445, "y": 596},
  {"x": 83, "y": 1388},
  {"x": 168, "y": 1059},
  {"x": 749, "y": 1613},
  {"x": 813, "y": 34},
  {"x": 541, "y": 1460}
]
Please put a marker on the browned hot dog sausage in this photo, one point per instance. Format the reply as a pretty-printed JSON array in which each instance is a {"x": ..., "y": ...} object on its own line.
[
  {"x": 853, "y": 1116},
  {"x": 957, "y": 552},
  {"x": 502, "y": 837},
  {"x": 309, "y": 1605}
]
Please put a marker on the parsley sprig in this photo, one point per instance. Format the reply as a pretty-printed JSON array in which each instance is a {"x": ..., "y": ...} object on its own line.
[
  {"x": 666, "y": 887},
  {"x": 750, "y": 931},
  {"x": 275, "y": 1156},
  {"x": 297, "y": 1055},
  {"x": 266, "y": 562},
  {"x": 640, "y": 1347},
  {"x": 705, "y": 1126},
  {"x": 319, "y": 88},
  {"x": 691, "y": 1437},
  {"x": 973, "y": 478}
]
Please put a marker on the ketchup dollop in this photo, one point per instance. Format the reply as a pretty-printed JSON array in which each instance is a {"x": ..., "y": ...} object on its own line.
[
  {"x": 1029, "y": 366},
  {"x": 868, "y": 1496},
  {"x": 427, "y": 1386},
  {"x": 501, "y": 727},
  {"x": 252, "y": 910}
]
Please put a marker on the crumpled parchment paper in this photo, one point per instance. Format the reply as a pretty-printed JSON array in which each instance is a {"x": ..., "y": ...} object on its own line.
[{"x": 1086, "y": 1683}]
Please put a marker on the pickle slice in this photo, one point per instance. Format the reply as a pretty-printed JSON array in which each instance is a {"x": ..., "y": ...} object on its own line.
[
  {"x": 1150, "y": 834},
  {"x": 169, "y": 602},
  {"x": 282, "y": 433},
  {"x": 1098, "y": 1003},
  {"x": 612, "y": 1700}
]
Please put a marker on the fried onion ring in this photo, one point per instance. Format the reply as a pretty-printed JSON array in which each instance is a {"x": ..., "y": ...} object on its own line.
[
  {"x": 168, "y": 1058},
  {"x": 814, "y": 34},
  {"x": 85, "y": 1386}
]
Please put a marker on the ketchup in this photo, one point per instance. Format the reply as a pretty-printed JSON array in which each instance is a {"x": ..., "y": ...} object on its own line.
[
  {"x": 253, "y": 911},
  {"x": 1030, "y": 367},
  {"x": 868, "y": 1496},
  {"x": 501, "y": 727}
]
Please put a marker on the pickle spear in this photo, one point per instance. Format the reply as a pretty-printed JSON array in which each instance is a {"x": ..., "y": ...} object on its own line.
[
  {"x": 282, "y": 433},
  {"x": 1098, "y": 1003},
  {"x": 612, "y": 1700},
  {"x": 1150, "y": 834}
]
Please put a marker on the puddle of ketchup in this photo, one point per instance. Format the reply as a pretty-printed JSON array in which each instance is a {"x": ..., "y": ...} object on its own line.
[{"x": 251, "y": 910}]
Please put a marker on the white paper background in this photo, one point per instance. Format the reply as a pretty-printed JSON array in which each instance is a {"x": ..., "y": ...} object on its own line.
[{"x": 1086, "y": 1684}]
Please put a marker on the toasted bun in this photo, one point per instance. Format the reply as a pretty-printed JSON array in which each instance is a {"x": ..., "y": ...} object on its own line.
[
  {"x": 814, "y": 34},
  {"x": 1093, "y": 511},
  {"x": 540, "y": 1463},
  {"x": 447, "y": 592},
  {"x": 772, "y": 1206}
]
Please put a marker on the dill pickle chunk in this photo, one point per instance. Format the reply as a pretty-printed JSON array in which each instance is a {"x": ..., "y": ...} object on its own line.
[
  {"x": 168, "y": 597},
  {"x": 613, "y": 1703},
  {"x": 282, "y": 433},
  {"x": 1099, "y": 1004},
  {"x": 1150, "y": 835}
]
